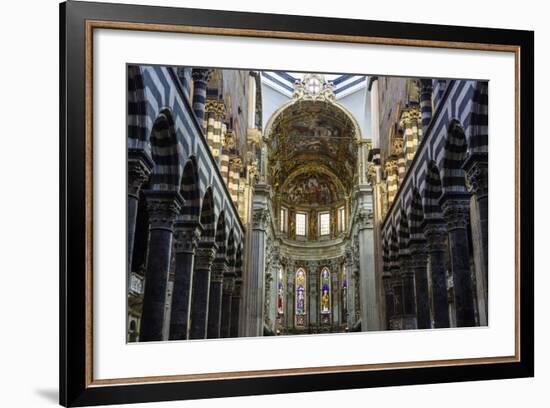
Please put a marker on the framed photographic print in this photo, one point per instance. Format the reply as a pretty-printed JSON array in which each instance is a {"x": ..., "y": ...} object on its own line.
[{"x": 255, "y": 203}]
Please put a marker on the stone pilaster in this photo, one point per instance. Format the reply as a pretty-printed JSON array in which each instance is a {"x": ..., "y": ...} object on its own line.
[
  {"x": 256, "y": 276},
  {"x": 187, "y": 235},
  {"x": 163, "y": 207},
  {"x": 140, "y": 166},
  {"x": 314, "y": 288},
  {"x": 219, "y": 269},
  {"x": 455, "y": 212},
  {"x": 204, "y": 256},
  {"x": 418, "y": 265},
  {"x": 436, "y": 244},
  {"x": 477, "y": 181},
  {"x": 370, "y": 313},
  {"x": 200, "y": 82}
]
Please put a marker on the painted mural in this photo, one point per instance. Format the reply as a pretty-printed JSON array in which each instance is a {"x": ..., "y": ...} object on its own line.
[{"x": 311, "y": 188}]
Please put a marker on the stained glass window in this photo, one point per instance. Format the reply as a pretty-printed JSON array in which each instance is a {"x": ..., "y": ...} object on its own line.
[
  {"x": 325, "y": 291},
  {"x": 324, "y": 223},
  {"x": 300, "y": 294},
  {"x": 301, "y": 224},
  {"x": 280, "y": 293}
]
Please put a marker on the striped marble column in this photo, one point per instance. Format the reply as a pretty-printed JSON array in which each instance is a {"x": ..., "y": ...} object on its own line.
[
  {"x": 204, "y": 256},
  {"x": 140, "y": 165},
  {"x": 215, "y": 114},
  {"x": 391, "y": 179},
  {"x": 426, "y": 89},
  {"x": 163, "y": 207},
  {"x": 235, "y": 164},
  {"x": 219, "y": 269},
  {"x": 187, "y": 235},
  {"x": 436, "y": 242},
  {"x": 200, "y": 82},
  {"x": 456, "y": 213}
]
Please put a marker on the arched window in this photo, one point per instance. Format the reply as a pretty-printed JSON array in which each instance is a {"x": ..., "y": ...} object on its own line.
[
  {"x": 280, "y": 293},
  {"x": 325, "y": 291},
  {"x": 300, "y": 296}
]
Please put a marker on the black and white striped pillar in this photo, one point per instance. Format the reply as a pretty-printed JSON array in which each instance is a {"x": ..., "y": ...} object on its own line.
[
  {"x": 140, "y": 165},
  {"x": 204, "y": 257},
  {"x": 426, "y": 89},
  {"x": 187, "y": 235},
  {"x": 456, "y": 214},
  {"x": 219, "y": 268},
  {"x": 163, "y": 207},
  {"x": 200, "y": 82}
]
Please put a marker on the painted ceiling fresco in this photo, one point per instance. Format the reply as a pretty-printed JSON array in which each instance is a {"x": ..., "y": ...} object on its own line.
[
  {"x": 311, "y": 188},
  {"x": 316, "y": 134}
]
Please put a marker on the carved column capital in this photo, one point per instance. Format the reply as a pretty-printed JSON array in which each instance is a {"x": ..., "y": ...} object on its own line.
[
  {"x": 435, "y": 234},
  {"x": 228, "y": 285},
  {"x": 365, "y": 219},
  {"x": 204, "y": 255},
  {"x": 201, "y": 75},
  {"x": 215, "y": 107},
  {"x": 219, "y": 269},
  {"x": 163, "y": 207},
  {"x": 187, "y": 235},
  {"x": 260, "y": 219},
  {"x": 140, "y": 166},
  {"x": 477, "y": 177},
  {"x": 456, "y": 212}
]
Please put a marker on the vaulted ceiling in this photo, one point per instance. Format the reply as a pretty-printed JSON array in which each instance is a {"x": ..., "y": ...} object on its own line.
[{"x": 315, "y": 138}]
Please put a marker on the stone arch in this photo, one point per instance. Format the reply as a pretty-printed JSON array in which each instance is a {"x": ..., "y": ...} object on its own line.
[
  {"x": 239, "y": 260},
  {"x": 404, "y": 235},
  {"x": 190, "y": 191},
  {"x": 208, "y": 216},
  {"x": 432, "y": 192},
  {"x": 394, "y": 250},
  {"x": 136, "y": 108},
  {"x": 221, "y": 237},
  {"x": 386, "y": 255},
  {"x": 416, "y": 217},
  {"x": 231, "y": 249},
  {"x": 456, "y": 146},
  {"x": 165, "y": 153}
]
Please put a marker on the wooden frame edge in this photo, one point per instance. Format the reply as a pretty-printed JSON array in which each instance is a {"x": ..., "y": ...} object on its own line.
[{"x": 92, "y": 24}]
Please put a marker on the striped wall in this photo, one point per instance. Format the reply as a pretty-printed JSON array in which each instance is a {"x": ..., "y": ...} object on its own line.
[
  {"x": 459, "y": 126},
  {"x": 161, "y": 122}
]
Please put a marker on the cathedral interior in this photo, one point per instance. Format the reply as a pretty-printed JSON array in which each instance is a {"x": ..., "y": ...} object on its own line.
[{"x": 265, "y": 203}]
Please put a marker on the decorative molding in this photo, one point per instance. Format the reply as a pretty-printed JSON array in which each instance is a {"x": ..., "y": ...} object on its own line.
[
  {"x": 477, "y": 178},
  {"x": 163, "y": 207},
  {"x": 456, "y": 213}
]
